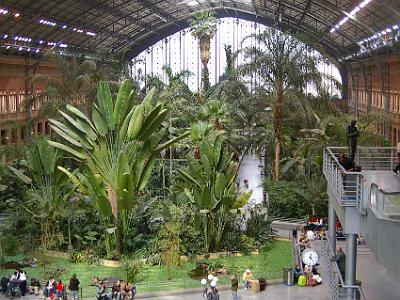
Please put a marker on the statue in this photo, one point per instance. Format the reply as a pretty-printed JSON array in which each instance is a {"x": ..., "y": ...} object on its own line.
[{"x": 352, "y": 135}]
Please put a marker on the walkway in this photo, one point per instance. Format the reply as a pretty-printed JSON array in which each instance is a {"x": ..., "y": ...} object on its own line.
[
  {"x": 250, "y": 170},
  {"x": 275, "y": 292}
]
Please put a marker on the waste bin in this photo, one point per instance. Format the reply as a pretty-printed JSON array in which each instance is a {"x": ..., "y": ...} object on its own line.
[
  {"x": 288, "y": 276},
  {"x": 255, "y": 286}
]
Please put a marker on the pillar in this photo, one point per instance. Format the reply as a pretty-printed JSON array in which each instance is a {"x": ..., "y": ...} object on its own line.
[
  {"x": 351, "y": 262},
  {"x": 332, "y": 225}
]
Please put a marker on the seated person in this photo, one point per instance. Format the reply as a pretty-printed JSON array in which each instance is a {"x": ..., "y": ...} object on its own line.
[
  {"x": 116, "y": 291},
  {"x": 308, "y": 269},
  {"x": 133, "y": 291},
  {"x": 49, "y": 288},
  {"x": 125, "y": 290},
  {"x": 247, "y": 278},
  {"x": 34, "y": 286},
  {"x": 4, "y": 282},
  {"x": 311, "y": 280},
  {"x": 59, "y": 289},
  {"x": 345, "y": 161},
  {"x": 101, "y": 290},
  {"x": 297, "y": 272}
]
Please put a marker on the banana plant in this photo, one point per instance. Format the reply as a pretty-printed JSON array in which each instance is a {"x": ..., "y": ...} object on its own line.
[
  {"x": 211, "y": 187},
  {"x": 118, "y": 145},
  {"x": 49, "y": 188}
]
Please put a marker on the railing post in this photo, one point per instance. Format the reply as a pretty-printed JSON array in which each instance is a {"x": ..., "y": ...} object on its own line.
[{"x": 332, "y": 225}]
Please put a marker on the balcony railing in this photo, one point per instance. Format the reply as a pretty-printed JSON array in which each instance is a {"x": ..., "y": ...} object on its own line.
[{"x": 347, "y": 186}]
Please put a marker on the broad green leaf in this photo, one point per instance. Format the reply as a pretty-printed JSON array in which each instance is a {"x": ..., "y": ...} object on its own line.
[
  {"x": 99, "y": 122},
  {"x": 122, "y": 102},
  {"x": 80, "y": 114},
  {"x": 135, "y": 122},
  {"x": 68, "y": 149},
  {"x": 21, "y": 176},
  {"x": 105, "y": 101}
]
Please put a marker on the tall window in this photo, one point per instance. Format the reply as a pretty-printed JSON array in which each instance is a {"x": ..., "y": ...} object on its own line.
[
  {"x": 21, "y": 100},
  {"x": 12, "y": 101},
  {"x": 22, "y": 133},
  {"x": 3, "y": 101},
  {"x": 3, "y": 137}
]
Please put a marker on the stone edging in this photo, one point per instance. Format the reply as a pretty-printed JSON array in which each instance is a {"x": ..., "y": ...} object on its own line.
[{"x": 117, "y": 264}]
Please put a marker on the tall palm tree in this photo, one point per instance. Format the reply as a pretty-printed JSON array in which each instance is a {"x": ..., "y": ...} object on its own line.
[
  {"x": 282, "y": 63},
  {"x": 204, "y": 26}
]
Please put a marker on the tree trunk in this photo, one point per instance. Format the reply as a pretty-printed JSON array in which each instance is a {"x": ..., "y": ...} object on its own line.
[
  {"x": 112, "y": 198},
  {"x": 278, "y": 116}
]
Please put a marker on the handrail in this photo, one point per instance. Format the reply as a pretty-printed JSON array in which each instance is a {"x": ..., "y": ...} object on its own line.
[
  {"x": 383, "y": 191},
  {"x": 337, "y": 161},
  {"x": 357, "y": 287},
  {"x": 334, "y": 262}
]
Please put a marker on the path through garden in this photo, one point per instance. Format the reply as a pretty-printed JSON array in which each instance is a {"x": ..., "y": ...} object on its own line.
[{"x": 249, "y": 169}]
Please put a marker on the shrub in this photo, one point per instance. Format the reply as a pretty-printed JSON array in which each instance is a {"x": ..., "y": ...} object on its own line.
[
  {"x": 133, "y": 268},
  {"x": 9, "y": 245}
]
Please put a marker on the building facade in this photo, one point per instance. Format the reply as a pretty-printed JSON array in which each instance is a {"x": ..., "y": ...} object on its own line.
[
  {"x": 16, "y": 87},
  {"x": 374, "y": 86}
]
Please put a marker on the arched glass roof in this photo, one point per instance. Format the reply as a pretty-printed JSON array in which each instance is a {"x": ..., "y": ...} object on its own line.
[{"x": 339, "y": 26}]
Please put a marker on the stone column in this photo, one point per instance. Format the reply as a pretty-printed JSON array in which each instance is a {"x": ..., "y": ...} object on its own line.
[{"x": 351, "y": 263}]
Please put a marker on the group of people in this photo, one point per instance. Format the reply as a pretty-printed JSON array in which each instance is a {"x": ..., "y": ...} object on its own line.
[
  {"x": 15, "y": 284},
  {"x": 311, "y": 274},
  {"x": 120, "y": 290},
  {"x": 57, "y": 290}
]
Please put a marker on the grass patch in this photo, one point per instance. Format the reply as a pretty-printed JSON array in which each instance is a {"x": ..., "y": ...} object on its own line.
[{"x": 268, "y": 264}]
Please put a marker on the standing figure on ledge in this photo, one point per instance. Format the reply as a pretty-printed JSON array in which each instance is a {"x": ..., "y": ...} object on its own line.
[{"x": 352, "y": 135}]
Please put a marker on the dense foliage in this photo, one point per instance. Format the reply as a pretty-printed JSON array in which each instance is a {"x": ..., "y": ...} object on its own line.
[{"x": 151, "y": 172}]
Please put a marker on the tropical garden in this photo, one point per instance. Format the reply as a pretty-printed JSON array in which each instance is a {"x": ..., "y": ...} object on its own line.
[{"x": 144, "y": 172}]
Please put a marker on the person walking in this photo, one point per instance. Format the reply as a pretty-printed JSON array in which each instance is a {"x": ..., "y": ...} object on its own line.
[
  {"x": 234, "y": 286},
  {"x": 340, "y": 258},
  {"x": 74, "y": 287}
]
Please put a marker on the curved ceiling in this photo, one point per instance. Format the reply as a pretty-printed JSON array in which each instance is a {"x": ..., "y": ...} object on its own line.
[{"x": 134, "y": 25}]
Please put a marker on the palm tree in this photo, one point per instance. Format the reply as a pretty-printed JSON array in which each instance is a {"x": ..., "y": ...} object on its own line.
[
  {"x": 282, "y": 63},
  {"x": 203, "y": 26},
  {"x": 118, "y": 146}
]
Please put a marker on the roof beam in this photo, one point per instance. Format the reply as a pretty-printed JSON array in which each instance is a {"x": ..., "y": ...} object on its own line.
[
  {"x": 156, "y": 11},
  {"x": 306, "y": 9}
]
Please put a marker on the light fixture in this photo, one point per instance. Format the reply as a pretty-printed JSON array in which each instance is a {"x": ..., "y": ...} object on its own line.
[
  {"x": 5, "y": 36},
  {"x": 64, "y": 26},
  {"x": 37, "y": 50},
  {"x": 3, "y": 11},
  {"x": 16, "y": 15},
  {"x": 351, "y": 15},
  {"x": 90, "y": 33}
]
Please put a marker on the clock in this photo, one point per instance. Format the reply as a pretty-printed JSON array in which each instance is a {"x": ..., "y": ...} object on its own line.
[{"x": 310, "y": 257}]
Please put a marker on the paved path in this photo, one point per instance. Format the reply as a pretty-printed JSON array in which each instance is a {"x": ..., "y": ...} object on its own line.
[
  {"x": 250, "y": 170},
  {"x": 275, "y": 292}
]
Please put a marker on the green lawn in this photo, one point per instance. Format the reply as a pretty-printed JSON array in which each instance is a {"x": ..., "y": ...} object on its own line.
[{"x": 268, "y": 265}]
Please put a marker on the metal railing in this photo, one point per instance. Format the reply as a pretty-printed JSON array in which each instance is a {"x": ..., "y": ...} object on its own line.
[
  {"x": 386, "y": 203},
  {"x": 347, "y": 185},
  {"x": 338, "y": 289},
  {"x": 371, "y": 158}
]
